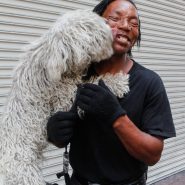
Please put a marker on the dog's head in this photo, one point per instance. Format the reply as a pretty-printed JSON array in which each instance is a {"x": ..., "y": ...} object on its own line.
[{"x": 77, "y": 39}]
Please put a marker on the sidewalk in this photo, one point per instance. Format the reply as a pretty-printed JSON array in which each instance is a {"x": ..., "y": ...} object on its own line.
[{"x": 177, "y": 179}]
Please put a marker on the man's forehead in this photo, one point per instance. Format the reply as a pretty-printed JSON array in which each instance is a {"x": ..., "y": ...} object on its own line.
[{"x": 121, "y": 7}]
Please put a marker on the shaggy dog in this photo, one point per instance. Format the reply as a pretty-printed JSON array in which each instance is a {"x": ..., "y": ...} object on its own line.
[{"x": 44, "y": 83}]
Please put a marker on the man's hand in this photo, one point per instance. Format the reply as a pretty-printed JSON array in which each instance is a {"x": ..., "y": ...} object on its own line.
[
  {"x": 60, "y": 128},
  {"x": 100, "y": 102}
]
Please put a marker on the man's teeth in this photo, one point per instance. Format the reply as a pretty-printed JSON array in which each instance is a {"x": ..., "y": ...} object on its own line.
[{"x": 122, "y": 37}]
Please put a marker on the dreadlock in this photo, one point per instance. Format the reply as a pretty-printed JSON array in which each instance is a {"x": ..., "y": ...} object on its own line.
[{"x": 101, "y": 7}]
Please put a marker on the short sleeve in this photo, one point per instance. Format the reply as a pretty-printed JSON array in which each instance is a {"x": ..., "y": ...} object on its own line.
[{"x": 157, "y": 118}]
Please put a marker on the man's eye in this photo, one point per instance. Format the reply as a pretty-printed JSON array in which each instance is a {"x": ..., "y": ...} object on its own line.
[
  {"x": 115, "y": 19},
  {"x": 134, "y": 23}
]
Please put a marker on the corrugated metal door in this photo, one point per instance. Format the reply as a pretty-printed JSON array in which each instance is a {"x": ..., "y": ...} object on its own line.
[
  {"x": 163, "y": 46},
  {"x": 163, "y": 50},
  {"x": 22, "y": 21}
]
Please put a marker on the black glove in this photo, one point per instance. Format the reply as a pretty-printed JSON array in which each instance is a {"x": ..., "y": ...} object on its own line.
[
  {"x": 99, "y": 102},
  {"x": 60, "y": 128}
]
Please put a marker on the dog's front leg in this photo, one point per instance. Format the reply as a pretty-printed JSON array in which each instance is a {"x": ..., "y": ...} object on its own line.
[
  {"x": 22, "y": 174},
  {"x": 22, "y": 142}
]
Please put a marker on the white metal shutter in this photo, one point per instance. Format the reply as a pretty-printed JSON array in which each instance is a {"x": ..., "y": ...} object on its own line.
[
  {"x": 22, "y": 21},
  {"x": 163, "y": 50},
  {"x": 163, "y": 46}
]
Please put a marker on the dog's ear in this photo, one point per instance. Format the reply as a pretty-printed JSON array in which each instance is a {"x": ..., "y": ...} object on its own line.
[
  {"x": 54, "y": 66},
  {"x": 57, "y": 59}
]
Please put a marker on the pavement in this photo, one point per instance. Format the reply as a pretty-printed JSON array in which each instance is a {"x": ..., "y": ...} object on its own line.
[{"x": 177, "y": 179}]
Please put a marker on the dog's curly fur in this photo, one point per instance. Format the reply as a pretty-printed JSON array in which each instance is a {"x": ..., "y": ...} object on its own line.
[{"x": 44, "y": 83}]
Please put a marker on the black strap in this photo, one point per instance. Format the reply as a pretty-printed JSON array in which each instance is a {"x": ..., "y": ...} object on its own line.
[
  {"x": 67, "y": 179},
  {"x": 65, "y": 168}
]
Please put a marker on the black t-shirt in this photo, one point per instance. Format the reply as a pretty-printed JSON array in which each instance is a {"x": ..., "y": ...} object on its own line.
[{"x": 97, "y": 154}]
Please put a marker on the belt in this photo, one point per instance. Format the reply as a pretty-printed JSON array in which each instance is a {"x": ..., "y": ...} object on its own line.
[{"x": 78, "y": 180}]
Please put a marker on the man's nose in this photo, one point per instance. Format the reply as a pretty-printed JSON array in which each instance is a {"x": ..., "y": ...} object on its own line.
[{"x": 124, "y": 24}]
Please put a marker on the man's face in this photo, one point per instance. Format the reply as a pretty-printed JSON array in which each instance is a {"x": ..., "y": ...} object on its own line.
[{"x": 123, "y": 19}]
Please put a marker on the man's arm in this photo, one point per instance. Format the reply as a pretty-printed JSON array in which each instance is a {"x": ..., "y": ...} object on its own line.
[
  {"x": 98, "y": 101},
  {"x": 139, "y": 144}
]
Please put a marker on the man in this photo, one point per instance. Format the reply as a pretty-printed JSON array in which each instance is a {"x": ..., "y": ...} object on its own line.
[{"x": 118, "y": 138}]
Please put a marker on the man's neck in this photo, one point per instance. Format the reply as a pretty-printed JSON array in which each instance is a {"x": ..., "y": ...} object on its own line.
[{"x": 114, "y": 65}]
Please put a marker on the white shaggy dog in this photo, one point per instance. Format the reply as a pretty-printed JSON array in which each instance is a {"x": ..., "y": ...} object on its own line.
[{"x": 44, "y": 83}]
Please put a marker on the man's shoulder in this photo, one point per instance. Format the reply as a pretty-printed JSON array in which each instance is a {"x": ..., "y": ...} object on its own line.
[
  {"x": 145, "y": 73},
  {"x": 146, "y": 79}
]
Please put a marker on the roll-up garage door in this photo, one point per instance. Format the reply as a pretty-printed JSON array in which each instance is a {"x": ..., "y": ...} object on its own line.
[
  {"x": 162, "y": 49},
  {"x": 23, "y": 21}
]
